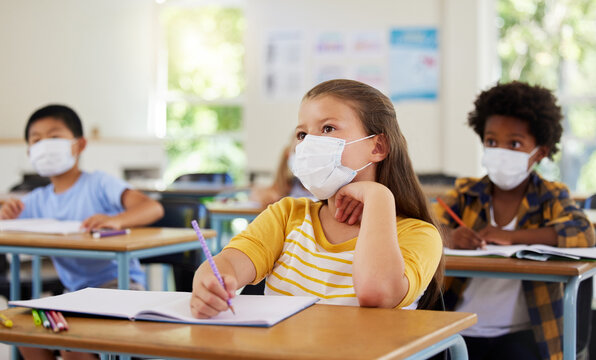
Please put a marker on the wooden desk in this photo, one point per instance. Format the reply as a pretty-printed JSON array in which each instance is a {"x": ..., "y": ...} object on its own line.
[
  {"x": 140, "y": 243},
  {"x": 570, "y": 273},
  {"x": 319, "y": 332},
  {"x": 219, "y": 214}
]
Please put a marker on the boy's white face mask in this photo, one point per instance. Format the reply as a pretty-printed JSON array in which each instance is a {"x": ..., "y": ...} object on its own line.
[
  {"x": 52, "y": 157},
  {"x": 507, "y": 168},
  {"x": 318, "y": 165}
]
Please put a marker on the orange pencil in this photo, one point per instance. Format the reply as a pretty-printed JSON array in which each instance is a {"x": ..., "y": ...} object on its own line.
[{"x": 450, "y": 212}]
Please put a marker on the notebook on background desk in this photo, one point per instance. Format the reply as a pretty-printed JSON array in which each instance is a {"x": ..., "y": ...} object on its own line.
[
  {"x": 531, "y": 252},
  {"x": 42, "y": 226},
  {"x": 169, "y": 306}
]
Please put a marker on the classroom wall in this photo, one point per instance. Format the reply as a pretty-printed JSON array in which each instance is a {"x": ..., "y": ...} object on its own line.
[
  {"x": 98, "y": 57},
  {"x": 439, "y": 140}
]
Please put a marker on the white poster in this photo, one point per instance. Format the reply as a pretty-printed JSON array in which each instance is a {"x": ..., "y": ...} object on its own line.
[
  {"x": 357, "y": 55},
  {"x": 284, "y": 65}
]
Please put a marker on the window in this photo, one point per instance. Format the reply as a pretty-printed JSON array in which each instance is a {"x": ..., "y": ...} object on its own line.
[
  {"x": 553, "y": 43},
  {"x": 202, "y": 62}
]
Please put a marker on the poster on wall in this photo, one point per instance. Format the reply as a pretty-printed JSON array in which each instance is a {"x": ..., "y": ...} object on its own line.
[
  {"x": 329, "y": 54},
  {"x": 284, "y": 65},
  {"x": 359, "y": 55},
  {"x": 413, "y": 64},
  {"x": 369, "y": 51}
]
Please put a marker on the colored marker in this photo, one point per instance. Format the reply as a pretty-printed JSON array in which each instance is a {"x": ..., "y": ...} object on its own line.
[
  {"x": 36, "y": 318},
  {"x": 62, "y": 319},
  {"x": 210, "y": 259},
  {"x": 106, "y": 233},
  {"x": 44, "y": 319},
  {"x": 5, "y": 321},
  {"x": 53, "y": 324},
  {"x": 57, "y": 320}
]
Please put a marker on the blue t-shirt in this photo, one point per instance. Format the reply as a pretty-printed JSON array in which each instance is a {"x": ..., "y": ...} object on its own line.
[{"x": 93, "y": 193}]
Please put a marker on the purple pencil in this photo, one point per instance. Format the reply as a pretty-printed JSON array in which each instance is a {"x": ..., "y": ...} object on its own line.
[{"x": 195, "y": 226}]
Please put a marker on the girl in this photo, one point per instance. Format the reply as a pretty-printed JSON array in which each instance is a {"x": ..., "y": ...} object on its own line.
[{"x": 371, "y": 243}]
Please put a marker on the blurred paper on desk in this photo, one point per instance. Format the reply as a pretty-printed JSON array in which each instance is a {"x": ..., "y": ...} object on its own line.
[{"x": 44, "y": 226}]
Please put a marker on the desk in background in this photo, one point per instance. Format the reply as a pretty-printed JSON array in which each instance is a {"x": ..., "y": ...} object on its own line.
[
  {"x": 220, "y": 213},
  {"x": 190, "y": 190},
  {"x": 140, "y": 243},
  {"x": 319, "y": 332},
  {"x": 570, "y": 273}
]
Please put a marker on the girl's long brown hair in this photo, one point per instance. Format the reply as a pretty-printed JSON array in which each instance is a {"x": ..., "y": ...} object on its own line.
[
  {"x": 377, "y": 114},
  {"x": 284, "y": 179}
]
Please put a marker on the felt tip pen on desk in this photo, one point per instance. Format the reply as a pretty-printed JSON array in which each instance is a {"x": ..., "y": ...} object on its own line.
[
  {"x": 5, "y": 321},
  {"x": 106, "y": 233},
  {"x": 44, "y": 319},
  {"x": 207, "y": 253},
  {"x": 36, "y": 318},
  {"x": 53, "y": 324},
  {"x": 57, "y": 320},
  {"x": 62, "y": 319}
]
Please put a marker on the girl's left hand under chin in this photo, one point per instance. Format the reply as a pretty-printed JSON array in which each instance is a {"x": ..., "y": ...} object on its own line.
[{"x": 349, "y": 201}]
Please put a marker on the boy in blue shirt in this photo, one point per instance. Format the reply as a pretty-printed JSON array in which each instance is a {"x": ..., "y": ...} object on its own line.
[{"x": 54, "y": 135}]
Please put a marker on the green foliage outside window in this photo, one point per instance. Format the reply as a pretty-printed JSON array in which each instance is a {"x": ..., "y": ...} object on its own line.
[
  {"x": 205, "y": 53},
  {"x": 553, "y": 43}
]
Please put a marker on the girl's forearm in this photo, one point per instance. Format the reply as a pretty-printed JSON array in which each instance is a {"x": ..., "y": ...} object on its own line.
[{"x": 378, "y": 268}]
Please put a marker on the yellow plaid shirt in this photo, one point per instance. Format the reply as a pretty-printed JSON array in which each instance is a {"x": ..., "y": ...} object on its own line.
[{"x": 545, "y": 204}]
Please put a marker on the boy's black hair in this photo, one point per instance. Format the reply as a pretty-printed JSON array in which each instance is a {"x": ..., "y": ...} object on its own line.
[
  {"x": 61, "y": 112},
  {"x": 535, "y": 105}
]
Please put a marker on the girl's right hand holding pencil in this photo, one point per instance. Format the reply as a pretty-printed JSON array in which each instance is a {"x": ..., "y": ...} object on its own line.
[{"x": 209, "y": 298}]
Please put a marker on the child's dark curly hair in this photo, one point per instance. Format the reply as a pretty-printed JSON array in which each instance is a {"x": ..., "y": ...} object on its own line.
[{"x": 533, "y": 104}]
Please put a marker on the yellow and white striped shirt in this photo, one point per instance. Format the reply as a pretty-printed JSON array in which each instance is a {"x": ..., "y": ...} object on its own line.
[{"x": 286, "y": 244}]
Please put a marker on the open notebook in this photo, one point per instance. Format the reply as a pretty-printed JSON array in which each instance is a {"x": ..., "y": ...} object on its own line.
[
  {"x": 45, "y": 226},
  {"x": 251, "y": 310},
  {"x": 532, "y": 252}
]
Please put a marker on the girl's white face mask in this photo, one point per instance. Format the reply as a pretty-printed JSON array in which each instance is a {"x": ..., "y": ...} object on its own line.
[
  {"x": 317, "y": 164},
  {"x": 52, "y": 157},
  {"x": 507, "y": 168}
]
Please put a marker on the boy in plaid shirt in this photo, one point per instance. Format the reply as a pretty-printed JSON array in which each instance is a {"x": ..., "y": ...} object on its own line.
[{"x": 518, "y": 125}]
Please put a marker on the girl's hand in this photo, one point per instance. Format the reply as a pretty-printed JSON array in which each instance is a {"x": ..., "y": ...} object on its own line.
[
  {"x": 101, "y": 221},
  {"x": 209, "y": 298},
  {"x": 494, "y": 235},
  {"x": 11, "y": 209},
  {"x": 466, "y": 238},
  {"x": 349, "y": 200}
]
